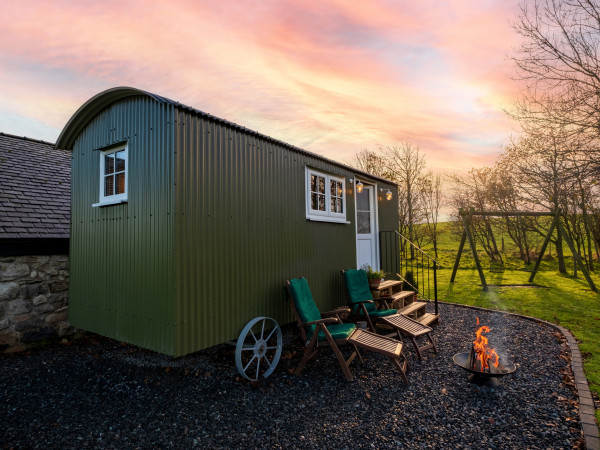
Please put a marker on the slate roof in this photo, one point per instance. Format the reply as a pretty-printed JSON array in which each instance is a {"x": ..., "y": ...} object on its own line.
[{"x": 35, "y": 189}]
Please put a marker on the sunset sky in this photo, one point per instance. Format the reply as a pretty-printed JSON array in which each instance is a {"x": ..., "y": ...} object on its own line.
[{"x": 330, "y": 76}]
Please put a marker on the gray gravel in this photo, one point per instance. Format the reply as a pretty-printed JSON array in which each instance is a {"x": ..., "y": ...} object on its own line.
[{"x": 96, "y": 392}]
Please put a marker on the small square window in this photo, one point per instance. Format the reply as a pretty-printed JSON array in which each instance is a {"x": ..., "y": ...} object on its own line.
[
  {"x": 113, "y": 176},
  {"x": 325, "y": 197}
]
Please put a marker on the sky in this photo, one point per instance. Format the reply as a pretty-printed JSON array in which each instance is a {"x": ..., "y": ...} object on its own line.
[{"x": 333, "y": 77}]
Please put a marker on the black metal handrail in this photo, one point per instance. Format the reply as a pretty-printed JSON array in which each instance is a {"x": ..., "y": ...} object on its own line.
[{"x": 398, "y": 255}]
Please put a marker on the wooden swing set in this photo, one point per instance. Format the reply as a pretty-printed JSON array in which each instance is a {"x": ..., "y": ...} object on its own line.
[{"x": 467, "y": 217}]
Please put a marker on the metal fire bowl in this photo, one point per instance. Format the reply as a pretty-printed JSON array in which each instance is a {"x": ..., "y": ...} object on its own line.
[{"x": 461, "y": 359}]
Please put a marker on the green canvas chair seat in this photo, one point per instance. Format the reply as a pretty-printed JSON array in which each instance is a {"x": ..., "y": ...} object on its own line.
[
  {"x": 377, "y": 312},
  {"x": 331, "y": 331},
  {"x": 309, "y": 312},
  {"x": 337, "y": 331},
  {"x": 357, "y": 290}
]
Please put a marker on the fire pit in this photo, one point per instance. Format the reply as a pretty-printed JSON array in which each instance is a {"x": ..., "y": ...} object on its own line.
[{"x": 482, "y": 361}]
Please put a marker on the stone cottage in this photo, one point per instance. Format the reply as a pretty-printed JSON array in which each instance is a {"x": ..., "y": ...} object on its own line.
[{"x": 35, "y": 185}]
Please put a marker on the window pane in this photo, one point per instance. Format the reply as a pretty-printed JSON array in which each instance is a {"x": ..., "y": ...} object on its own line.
[
  {"x": 314, "y": 201},
  {"x": 321, "y": 185},
  {"x": 120, "y": 183},
  {"x": 313, "y": 184},
  {"x": 338, "y": 206},
  {"x": 362, "y": 201},
  {"x": 332, "y": 205},
  {"x": 109, "y": 183},
  {"x": 109, "y": 164},
  {"x": 363, "y": 222},
  {"x": 120, "y": 160},
  {"x": 333, "y": 188},
  {"x": 321, "y": 203},
  {"x": 339, "y": 189}
]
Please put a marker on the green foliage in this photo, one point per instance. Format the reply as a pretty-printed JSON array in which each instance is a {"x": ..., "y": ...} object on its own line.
[
  {"x": 409, "y": 277},
  {"x": 373, "y": 274},
  {"x": 559, "y": 299}
]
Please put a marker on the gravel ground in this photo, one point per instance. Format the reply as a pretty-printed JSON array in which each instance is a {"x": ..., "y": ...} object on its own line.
[{"x": 96, "y": 392}]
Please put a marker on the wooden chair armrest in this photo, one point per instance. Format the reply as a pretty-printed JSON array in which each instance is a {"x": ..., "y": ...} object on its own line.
[
  {"x": 384, "y": 301},
  {"x": 335, "y": 312},
  {"x": 364, "y": 301},
  {"x": 324, "y": 320}
]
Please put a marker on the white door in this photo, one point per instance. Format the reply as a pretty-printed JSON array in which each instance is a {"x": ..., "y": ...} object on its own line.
[{"x": 366, "y": 228}]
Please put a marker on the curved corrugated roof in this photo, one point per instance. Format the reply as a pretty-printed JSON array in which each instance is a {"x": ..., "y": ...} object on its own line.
[{"x": 94, "y": 105}]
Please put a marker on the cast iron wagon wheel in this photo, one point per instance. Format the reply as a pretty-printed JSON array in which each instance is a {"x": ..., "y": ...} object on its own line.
[{"x": 258, "y": 348}]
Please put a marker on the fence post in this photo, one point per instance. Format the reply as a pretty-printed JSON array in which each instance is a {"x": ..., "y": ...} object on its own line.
[{"x": 435, "y": 286}]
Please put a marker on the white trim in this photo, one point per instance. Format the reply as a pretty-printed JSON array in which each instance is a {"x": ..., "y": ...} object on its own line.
[
  {"x": 109, "y": 202},
  {"x": 114, "y": 199},
  {"x": 327, "y": 215},
  {"x": 375, "y": 211},
  {"x": 376, "y": 222},
  {"x": 327, "y": 219}
]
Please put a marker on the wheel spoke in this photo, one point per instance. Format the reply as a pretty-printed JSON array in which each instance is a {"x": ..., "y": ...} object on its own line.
[
  {"x": 272, "y": 348},
  {"x": 247, "y": 348},
  {"x": 267, "y": 361},
  {"x": 271, "y": 334},
  {"x": 257, "y": 369},
  {"x": 252, "y": 333},
  {"x": 262, "y": 331},
  {"x": 250, "y": 362}
]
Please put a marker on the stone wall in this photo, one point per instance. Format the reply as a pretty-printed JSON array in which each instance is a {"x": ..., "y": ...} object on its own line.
[{"x": 34, "y": 296}]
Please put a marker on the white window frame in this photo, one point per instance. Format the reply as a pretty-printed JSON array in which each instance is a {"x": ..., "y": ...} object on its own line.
[
  {"x": 327, "y": 215},
  {"x": 114, "y": 199}
]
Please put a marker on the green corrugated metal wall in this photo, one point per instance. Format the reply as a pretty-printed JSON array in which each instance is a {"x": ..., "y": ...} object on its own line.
[
  {"x": 241, "y": 231},
  {"x": 122, "y": 255},
  {"x": 213, "y": 226}
]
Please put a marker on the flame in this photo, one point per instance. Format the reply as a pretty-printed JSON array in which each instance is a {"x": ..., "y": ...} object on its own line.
[{"x": 484, "y": 354}]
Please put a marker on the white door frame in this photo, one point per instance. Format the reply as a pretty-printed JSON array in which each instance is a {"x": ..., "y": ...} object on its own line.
[{"x": 375, "y": 223}]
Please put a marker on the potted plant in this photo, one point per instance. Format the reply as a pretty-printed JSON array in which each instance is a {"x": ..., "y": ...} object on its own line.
[{"x": 374, "y": 276}]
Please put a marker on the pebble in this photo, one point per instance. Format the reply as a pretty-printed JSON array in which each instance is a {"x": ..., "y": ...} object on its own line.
[{"x": 102, "y": 391}]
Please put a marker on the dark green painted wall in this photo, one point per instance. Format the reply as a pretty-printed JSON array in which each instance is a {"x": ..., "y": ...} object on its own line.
[
  {"x": 214, "y": 224},
  {"x": 122, "y": 255},
  {"x": 241, "y": 231}
]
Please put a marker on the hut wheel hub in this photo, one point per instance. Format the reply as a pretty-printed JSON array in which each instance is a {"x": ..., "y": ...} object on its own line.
[{"x": 260, "y": 348}]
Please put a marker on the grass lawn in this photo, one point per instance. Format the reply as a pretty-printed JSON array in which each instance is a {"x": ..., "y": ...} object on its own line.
[{"x": 563, "y": 300}]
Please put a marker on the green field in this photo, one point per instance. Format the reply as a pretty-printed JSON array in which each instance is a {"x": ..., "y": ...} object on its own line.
[{"x": 563, "y": 299}]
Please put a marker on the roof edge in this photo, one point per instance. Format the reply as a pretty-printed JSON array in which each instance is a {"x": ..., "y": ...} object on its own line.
[
  {"x": 94, "y": 105},
  {"x": 89, "y": 109},
  {"x": 25, "y": 138}
]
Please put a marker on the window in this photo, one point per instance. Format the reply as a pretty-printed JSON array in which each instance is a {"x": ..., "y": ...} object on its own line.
[
  {"x": 325, "y": 197},
  {"x": 113, "y": 176}
]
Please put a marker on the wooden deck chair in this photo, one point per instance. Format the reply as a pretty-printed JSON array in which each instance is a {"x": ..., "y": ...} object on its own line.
[
  {"x": 318, "y": 331},
  {"x": 360, "y": 300}
]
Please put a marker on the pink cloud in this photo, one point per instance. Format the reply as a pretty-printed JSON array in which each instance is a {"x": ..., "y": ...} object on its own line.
[{"x": 332, "y": 76}]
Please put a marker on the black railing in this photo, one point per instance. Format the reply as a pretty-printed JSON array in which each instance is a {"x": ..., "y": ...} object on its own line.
[{"x": 400, "y": 257}]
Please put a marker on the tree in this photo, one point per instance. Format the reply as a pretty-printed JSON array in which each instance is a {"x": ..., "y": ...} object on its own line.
[
  {"x": 405, "y": 164},
  {"x": 559, "y": 62},
  {"x": 374, "y": 162},
  {"x": 431, "y": 186},
  {"x": 543, "y": 172},
  {"x": 505, "y": 197},
  {"x": 371, "y": 162},
  {"x": 419, "y": 194},
  {"x": 475, "y": 190}
]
